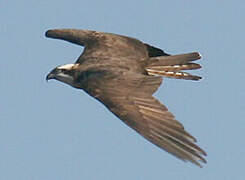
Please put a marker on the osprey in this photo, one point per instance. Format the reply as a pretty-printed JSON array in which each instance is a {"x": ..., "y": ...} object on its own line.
[{"x": 122, "y": 73}]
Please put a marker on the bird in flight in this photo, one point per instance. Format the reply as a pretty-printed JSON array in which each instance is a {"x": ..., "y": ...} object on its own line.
[{"x": 122, "y": 73}]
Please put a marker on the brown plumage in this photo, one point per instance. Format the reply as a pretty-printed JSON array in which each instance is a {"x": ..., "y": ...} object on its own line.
[
  {"x": 123, "y": 73},
  {"x": 170, "y": 66}
]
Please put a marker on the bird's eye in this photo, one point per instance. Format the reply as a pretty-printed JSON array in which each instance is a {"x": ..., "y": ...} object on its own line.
[{"x": 63, "y": 70}]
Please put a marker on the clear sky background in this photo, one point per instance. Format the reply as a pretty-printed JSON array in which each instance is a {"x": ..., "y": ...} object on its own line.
[{"x": 54, "y": 132}]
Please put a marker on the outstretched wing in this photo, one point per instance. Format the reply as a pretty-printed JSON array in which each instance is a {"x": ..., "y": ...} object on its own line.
[
  {"x": 129, "y": 97},
  {"x": 101, "y": 45}
]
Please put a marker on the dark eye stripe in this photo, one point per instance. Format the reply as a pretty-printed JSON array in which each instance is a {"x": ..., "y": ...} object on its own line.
[{"x": 63, "y": 70}]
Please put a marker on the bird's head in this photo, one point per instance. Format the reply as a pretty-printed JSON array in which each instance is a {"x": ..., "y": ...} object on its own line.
[{"x": 64, "y": 73}]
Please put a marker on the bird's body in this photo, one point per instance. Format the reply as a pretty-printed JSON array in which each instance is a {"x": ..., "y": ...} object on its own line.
[{"x": 123, "y": 73}]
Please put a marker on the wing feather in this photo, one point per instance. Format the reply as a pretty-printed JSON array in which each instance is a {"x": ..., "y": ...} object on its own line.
[
  {"x": 129, "y": 97},
  {"x": 101, "y": 45}
]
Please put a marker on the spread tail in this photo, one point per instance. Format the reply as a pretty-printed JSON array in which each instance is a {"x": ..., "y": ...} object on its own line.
[{"x": 171, "y": 66}]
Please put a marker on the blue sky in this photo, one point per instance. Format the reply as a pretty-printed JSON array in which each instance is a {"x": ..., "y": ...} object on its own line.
[{"x": 52, "y": 131}]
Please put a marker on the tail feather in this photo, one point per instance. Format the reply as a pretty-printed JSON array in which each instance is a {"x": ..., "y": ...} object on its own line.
[
  {"x": 174, "y": 59},
  {"x": 187, "y": 66},
  {"x": 171, "y": 66},
  {"x": 172, "y": 74}
]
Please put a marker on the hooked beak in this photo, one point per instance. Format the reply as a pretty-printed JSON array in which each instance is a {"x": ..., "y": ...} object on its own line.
[{"x": 51, "y": 75}]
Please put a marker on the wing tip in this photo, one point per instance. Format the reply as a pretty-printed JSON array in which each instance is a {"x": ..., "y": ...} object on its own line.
[
  {"x": 51, "y": 33},
  {"x": 58, "y": 33}
]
